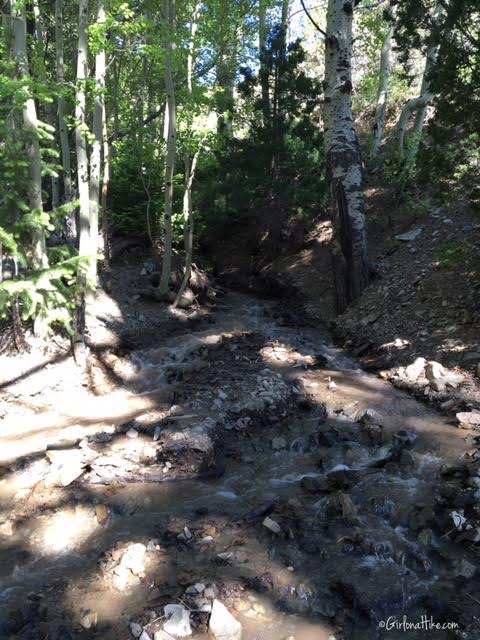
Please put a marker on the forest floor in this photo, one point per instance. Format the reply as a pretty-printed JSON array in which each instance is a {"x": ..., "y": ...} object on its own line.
[{"x": 227, "y": 455}]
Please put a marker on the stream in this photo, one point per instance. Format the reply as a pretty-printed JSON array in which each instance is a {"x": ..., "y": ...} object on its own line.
[{"x": 359, "y": 480}]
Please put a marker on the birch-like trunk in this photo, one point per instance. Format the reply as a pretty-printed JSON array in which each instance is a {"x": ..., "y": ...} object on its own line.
[
  {"x": 71, "y": 221},
  {"x": 383, "y": 87},
  {"x": 84, "y": 248},
  {"x": 30, "y": 123},
  {"x": 262, "y": 54},
  {"x": 190, "y": 165},
  {"x": 419, "y": 104},
  {"x": 343, "y": 155},
  {"x": 169, "y": 16},
  {"x": 105, "y": 186},
  {"x": 96, "y": 158}
]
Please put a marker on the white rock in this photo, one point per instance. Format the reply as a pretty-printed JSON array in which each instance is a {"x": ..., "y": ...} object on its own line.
[
  {"x": 409, "y": 235},
  {"x": 89, "y": 620},
  {"x": 162, "y": 635},
  {"x": 272, "y": 525},
  {"x": 121, "y": 578},
  {"x": 132, "y": 433},
  {"x": 133, "y": 558},
  {"x": 222, "y": 624},
  {"x": 156, "y": 434},
  {"x": 136, "y": 629},
  {"x": 144, "y": 636},
  {"x": 178, "y": 623},
  {"x": 414, "y": 370},
  {"x": 435, "y": 371},
  {"x": 332, "y": 385}
]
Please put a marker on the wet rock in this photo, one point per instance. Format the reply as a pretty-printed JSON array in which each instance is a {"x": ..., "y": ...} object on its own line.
[
  {"x": 178, "y": 620},
  {"x": 222, "y": 624},
  {"x": 405, "y": 438},
  {"x": 132, "y": 558},
  {"x": 279, "y": 443},
  {"x": 272, "y": 526},
  {"x": 415, "y": 370}
]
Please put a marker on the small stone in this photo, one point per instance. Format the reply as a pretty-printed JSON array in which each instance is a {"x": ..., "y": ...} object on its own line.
[
  {"x": 222, "y": 624},
  {"x": 405, "y": 438},
  {"x": 211, "y": 591},
  {"x": 121, "y": 578},
  {"x": 133, "y": 558},
  {"x": 279, "y": 443},
  {"x": 409, "y": 236},
  {"x": 156, "y": 434},
  {"x": 144, "y": 636},
  {"x": 136, "y": 629},
  {"x": 101, "y": 512},
  {"x": 465, "y": 569},
  {"x": 414, "y": 370},
  {"x": 132, "y": 433},
  {"x": 272, "y": 525},
  {"x": 7, "y": 528},
  {"x": 332, "y": 385},
  {"x": 178, "y": 622},
  {"x": 162, "y": 635},
  {"x": 89, "y": 620}
]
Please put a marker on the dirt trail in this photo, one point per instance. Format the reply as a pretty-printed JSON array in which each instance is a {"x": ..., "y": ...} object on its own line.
[{"x": 249, "y": 456}]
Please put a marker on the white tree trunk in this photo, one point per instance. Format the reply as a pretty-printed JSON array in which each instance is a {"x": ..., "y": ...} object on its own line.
[
  {"x": 383, "y": 86},
  {"x": 105, "y": 186},
  {"x": 419, "y": 104},
  {"x": 344, "y": 162},
  {"x": 84, "y": 247},
  {"x": 262, "y": 54},
  {"x": 96, "y": 158},
  {"x": 70, "y": 223},
  {"x": 30, "y": 123},
  {"x": 169, "y": 16}
]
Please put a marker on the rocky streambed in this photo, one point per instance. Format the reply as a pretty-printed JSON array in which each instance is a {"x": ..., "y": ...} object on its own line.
[{"x": 246, "y": 480}]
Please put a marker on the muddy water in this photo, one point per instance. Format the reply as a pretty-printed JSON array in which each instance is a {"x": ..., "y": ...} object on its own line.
[{"x": 57, "y": 541}]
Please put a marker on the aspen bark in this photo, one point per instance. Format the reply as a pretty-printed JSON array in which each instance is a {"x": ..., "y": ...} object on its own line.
[
  {"x": 343, "y": 155},
  {"x": 383, "y": 87},
  {"x": 70, "y": 222},
  {"x": 30, "y": 123},
  {"x": 262, "y": 52},
  {"x": 84, "y": 249},
  {"x": 169, "y": 15},
  {"x": 96, "y": 158}
]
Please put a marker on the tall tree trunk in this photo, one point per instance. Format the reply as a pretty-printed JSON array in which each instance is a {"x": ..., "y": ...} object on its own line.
[
  {"x": 85, "y": 251},
  {"x": 169, "y": 16},
  {"x": 262, "y": 54},
  {"x": 96, "y": 158},
  {"x": 383, "y": 86},
  {"x": 30, "y": 123},
  {"x": 71, "y": 221},
  {"x": 419, "y": 104},
  {"x": 105, "y": 186},
  {"x": 344, "y": 162}
]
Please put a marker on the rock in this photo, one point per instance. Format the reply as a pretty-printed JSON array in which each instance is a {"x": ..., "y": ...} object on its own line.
[
  {"x": 405, "y": 438},
  {"x": 409, "y": 236},
  {"x": 132, "y": 433},
  {"x": 101, "y": 512},
  {"x": 222, "y": 624},
  {"x": 178, "y": 622},
  {"x": 414, "y": 370},
  {"x": 195, "y": 589},
  {"x": 471, "y": 356},
  {"x": 135, "y": 629},
  {"x": 279, "y": 443},
  {"x": 332, "y": 385},
  {"x": 156, "y": 434},
  {"x": 144, "y": 636},
  {"x": 434, "y": 371},
  {"x": 66, "y": 466},
  {"x": 162, "y": 635},
  {"x": 121, "y": 578},
  {"x": 7, "y": 528},
  {"x": 439, "y": 377},
  {"x": 211, "y": 591},
  {"x": 133, "y": 558},
  {"x": 371, "y": 417},
  {"x": 89, "y": 620},
  {"x": 465, "y": 569},
  {"x": 438, "y": 385},
  {"x": 271, "y": 525},
  {"x": 469, "y": 419}
]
